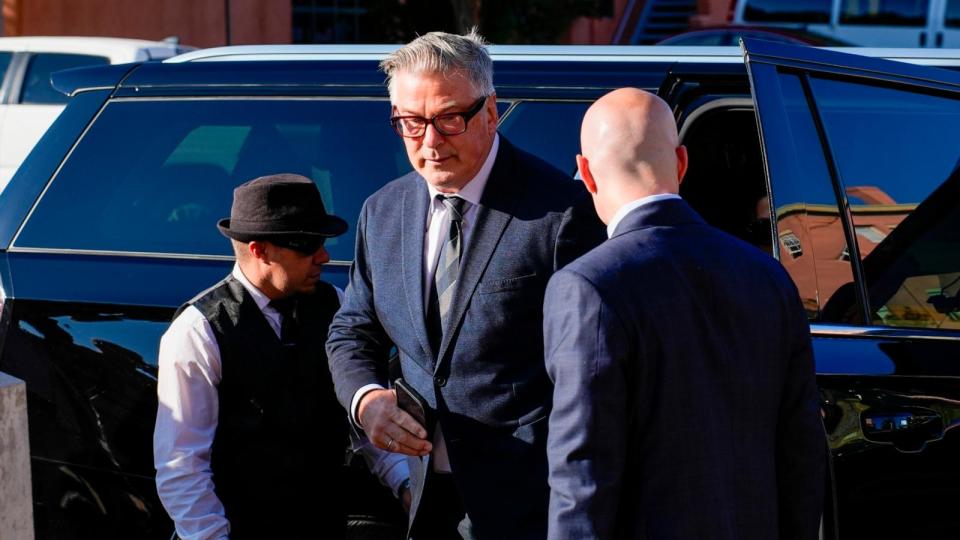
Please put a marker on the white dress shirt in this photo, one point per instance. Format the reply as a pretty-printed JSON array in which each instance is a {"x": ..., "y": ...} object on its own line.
[
  {"x": 436, "y": 229},
  {"x": 188, "y": 375},
  {"x": 631, "y": 206}
]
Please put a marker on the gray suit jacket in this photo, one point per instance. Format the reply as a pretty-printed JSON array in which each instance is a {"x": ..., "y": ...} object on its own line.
[
  {"x": 685, "y": 402},
  {"x": 487, "y": 380}
]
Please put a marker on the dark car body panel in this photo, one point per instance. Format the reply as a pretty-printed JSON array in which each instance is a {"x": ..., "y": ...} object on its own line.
[
  {"x": 890, "y": 399},
  {"x": 82, "y": 326}
]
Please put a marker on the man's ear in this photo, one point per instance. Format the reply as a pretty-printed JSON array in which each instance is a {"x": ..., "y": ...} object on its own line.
[
  {"x": 259, "y": 250},
  {"x": 682, "y": 162},
  {"x": 583, "y": 165},
  {"x": 492, "y": 114}
]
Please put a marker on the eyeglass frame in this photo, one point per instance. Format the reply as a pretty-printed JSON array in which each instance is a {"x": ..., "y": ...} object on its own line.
[
  {"x": 304, "y": 245},
  {"x": 466, "y": 115}
]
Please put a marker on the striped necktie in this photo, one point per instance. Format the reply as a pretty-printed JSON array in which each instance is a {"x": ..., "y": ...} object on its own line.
[{"x": 448, "y": 268}]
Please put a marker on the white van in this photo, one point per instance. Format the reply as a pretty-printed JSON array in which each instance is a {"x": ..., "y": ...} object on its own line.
[
  {"x": 868, "y": 23},
  {"x": 28, "y": 102}
]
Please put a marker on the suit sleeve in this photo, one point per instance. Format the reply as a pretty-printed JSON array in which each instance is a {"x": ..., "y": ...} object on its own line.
[
  {"x": 585, "y": 348},
  {"x": 357, "y": 345},
  {"x": 801, "y": 446}
]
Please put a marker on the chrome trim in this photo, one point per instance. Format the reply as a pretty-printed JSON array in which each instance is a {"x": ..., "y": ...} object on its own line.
[
  {"x": 142, "y": 254},
  {"x": 877, "y": 332},
  {"x": 592, "y": 53},
  {"x": 90, "y": 89},
  {"x": 722, "y": 103},
  {"x": 596, "y": 53},
  {"x": 512, "y": 105}
]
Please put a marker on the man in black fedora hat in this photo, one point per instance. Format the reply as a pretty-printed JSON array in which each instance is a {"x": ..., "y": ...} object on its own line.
[{"x": 249, "y": 436}]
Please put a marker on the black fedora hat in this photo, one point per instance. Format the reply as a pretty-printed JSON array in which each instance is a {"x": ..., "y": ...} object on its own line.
[{"x": 285, "y": 208}]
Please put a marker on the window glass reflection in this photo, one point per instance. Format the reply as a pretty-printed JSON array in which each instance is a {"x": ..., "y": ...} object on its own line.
[
  {"x": 157, "y": 175},
  {"x": 952, "y": 14},
  {"x": 37, "y": 87},
  {"x": 884, "y": 12},
  {"x": 787, "y": 10},
  {"x": 898, "y": 158},
  {"x": 810, "y": 231},
  {"x": 524, "y": 126},
  {"x": 5, "y": 58}
]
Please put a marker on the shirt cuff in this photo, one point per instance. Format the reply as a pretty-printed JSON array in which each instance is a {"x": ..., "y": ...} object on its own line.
[
  {"x": 355, "y": 403},
  {"x": 397, "y": 473}
]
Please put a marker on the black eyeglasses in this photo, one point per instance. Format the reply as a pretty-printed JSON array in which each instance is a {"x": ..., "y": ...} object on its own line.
[{"x": 446, "y": 123}]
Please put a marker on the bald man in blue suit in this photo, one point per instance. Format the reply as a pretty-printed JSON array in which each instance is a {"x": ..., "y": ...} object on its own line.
[{"x": 685, "y": 400}]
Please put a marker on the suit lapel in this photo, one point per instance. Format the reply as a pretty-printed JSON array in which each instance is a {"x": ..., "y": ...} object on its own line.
[
  {"x": 413, "y": 221},
  {"x": 490, "y": 220}
]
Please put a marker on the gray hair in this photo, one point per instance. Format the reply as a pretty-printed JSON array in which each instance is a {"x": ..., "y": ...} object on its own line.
[{"x": 440, "y": 52}]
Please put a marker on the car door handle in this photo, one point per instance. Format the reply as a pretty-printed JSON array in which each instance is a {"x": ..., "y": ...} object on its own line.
[
  {"x": 939, "y": 39},
  {"x": 908, "y": 430},
  {"x": 923, "y": 39}
]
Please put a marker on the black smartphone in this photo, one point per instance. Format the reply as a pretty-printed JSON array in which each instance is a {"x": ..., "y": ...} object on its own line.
[{"x": 413, "y": 404}]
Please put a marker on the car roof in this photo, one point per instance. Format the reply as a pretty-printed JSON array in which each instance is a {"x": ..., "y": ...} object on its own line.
[
  {"x": 545, "y": 53},
  {"x": 118, "y": 50},
  {"x": 531, "y": 70},
  {"x": 580, "y": 53}
]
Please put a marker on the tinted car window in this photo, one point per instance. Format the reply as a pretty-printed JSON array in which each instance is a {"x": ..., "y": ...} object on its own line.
[
  {"x": 155, "y": 176},
  {"x": 5, "y": 58},
  {"x": 952, "y": 14},
  {"x": 36, "y": 84},
  {"x": 904, "y": 195},
  {"x": 787, "y": 10},
  {"x": 809, "y": 230},
  {"x": 524, "y": 126},
  {"x": 884, "y": 12}
]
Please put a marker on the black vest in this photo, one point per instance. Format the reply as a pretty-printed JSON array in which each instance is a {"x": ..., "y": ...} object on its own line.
[{"x": 279, "y": 448}]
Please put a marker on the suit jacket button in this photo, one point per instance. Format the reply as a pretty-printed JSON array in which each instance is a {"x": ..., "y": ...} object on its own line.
[{"x": 439, "y": 381}]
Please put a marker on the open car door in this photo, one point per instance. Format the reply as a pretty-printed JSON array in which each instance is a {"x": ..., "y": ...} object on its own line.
[{"x": 861, "y": 158}]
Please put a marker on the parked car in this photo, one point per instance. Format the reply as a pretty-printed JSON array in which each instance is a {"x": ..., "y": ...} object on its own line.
[
  {"x": 719, "y": 36},
  {"x": 29, "y": 104},
  {"x": 109, "y": 226},
  {"x": 919, "y": 23}
]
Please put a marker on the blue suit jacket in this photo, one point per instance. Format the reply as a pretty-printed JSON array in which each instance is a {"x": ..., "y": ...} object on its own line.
[
  {"x": 685, "y": 403},
  {"x": 487, "y": 381}
]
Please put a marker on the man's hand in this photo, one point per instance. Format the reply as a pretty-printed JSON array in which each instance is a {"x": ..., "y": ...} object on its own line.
[{"x": 390, "y": 428}]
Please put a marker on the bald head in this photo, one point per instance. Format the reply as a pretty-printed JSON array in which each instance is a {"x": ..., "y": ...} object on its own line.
[{"x": 630, "y": 149}]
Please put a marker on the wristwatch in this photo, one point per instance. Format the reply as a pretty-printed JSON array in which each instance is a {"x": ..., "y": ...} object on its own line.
[{"x": 403, "y": 485}]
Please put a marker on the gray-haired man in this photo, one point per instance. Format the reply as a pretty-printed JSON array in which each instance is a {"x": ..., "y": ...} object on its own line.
[{"x": 478, "y": 228}]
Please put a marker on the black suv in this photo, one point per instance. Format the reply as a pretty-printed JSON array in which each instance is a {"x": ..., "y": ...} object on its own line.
[{"x": 843, "y": 167}]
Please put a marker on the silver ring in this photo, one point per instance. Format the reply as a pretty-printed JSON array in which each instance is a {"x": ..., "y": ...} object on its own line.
[{"x": 390, "y": 444}]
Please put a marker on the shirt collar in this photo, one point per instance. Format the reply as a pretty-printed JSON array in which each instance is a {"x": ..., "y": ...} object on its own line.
[
  {"x": 258, "y": 297},
  {"x": 631, "y": 206},
  {"x": 473, "y": 190}
]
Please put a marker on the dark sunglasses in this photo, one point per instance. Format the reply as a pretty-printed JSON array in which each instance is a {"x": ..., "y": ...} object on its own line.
[{"x": 307, "y": 245}]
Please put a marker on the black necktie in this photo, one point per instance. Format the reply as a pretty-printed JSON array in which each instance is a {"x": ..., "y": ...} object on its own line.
[
  {"x": 287, "y": 307},
  {"x": 448, "y": 269}
]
